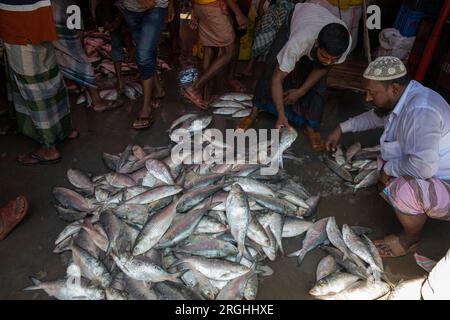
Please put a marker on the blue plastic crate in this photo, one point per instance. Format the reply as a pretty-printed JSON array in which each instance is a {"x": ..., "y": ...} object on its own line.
[{"x": 408, "y": 21}]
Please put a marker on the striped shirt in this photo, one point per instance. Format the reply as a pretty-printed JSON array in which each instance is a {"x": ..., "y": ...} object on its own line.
[{"x": 26, "y": 21}]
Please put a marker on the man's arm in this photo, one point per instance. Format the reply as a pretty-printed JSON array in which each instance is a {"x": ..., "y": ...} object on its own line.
[
  {"x": 420, "y": 141},
  {"x": 366, "y": 121},
  {"x": 240, "y": 17},
  {"x": 277, "y": 96},
  {"x": 291, "y": 96}
]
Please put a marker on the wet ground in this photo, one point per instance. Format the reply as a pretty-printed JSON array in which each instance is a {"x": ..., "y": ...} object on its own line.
[{"x": 28, "y": 250}]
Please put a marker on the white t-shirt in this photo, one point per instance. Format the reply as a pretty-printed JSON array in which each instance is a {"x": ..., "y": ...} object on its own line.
[{"x": 307, "y": 21}]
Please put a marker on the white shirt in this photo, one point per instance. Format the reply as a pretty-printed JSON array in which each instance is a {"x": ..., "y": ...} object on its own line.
[
  {"x": 416, "y": 138},
  {"x": 307, "y": 21}
]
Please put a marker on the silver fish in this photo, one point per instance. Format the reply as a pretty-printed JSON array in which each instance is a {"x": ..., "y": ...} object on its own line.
[
  {"x": 358, "y": 247},
  {"x": 208, "y": 247},
  {"x": 225, "y": 111},
  {"x": 257, "y": 233},
  {"x": 215, "y": 269},
  {"x": 175, "y": 291},
  {"x": 227, "y": 104},
  {"x": 361, "y": 290},
  {"x": 335, "y": 237},
  {"x": 71, "y": 199},
  {"x": 326, "y": 266},
  {"x": 91, "y": 267},
  {"x": 251, "y": 288},
  {"x": 333, "y": 283},
  {"x": 236, "y": 96},
  {"x": 154, "y": 229},
  {"x": 139, "y": 269},
  {"x": 337, "y": 169},
  {"x": 160, "y": 170},
  {"x": 132, "y": 213},
  {"x": 182, "y": 228},
  {"x": 195, "y": 196},
  {"x": 370, "y": 180},
  {"x": 338, "y": 155},
  {"x": 182, "y": 119},
  {"x": 155, "y": 194},
  {"x": 68, "y": 214},
  {"x": 294, "y": 227},
  {"x": 63, "y": 290},
  {"x": 238, "y": 215},
  {"x": 278, "y": 205},
  {"x": 80, "y": 180},
  {"x": 255, "y": 187},
  {"x": 315, "y": 236},
  {"x": 242, "y": 113},
  {"x": 234, "y": 290},
  {"x": 292, "y": 198},
  {"x": 210, "y": 225},
  {"x": 118, "y": 180}
]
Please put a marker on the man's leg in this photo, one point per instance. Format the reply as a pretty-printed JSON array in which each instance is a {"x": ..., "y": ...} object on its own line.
[
  {"x": 151, "y": 27},
  {"x": 208, "y": 55},
  {"x": 414, "y": 200},
  {"x": 212, "y": 71}
]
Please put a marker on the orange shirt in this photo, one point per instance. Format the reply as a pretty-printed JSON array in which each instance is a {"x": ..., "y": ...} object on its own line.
[{"x": 22, "y": 25}]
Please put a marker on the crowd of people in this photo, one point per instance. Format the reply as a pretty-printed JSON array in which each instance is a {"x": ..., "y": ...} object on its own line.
[{"x": 296, "y": 45}]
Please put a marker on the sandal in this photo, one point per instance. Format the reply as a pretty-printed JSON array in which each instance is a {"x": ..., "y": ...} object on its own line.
[
  {"x": 246, "y": 123},
  {"x": 11, "y": 215},
  {"x": 390, "y": 247},
  {"x": 315, "y": 140},
  {"x": 237, "y": 86},
  {"x": 196, "y": 100},
  {"x": 142, "y": 123},
  {"x": 31, "y": 159}
]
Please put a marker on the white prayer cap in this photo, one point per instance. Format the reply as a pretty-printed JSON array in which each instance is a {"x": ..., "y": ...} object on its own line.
[{"x": 385, "y": 68}]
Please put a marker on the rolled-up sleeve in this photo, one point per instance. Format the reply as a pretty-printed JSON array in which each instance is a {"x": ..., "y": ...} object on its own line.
[
  {"x": 290, "y": 54},
  {"x": 420, "y": 143},
  {"x": 366, "y": 121}
]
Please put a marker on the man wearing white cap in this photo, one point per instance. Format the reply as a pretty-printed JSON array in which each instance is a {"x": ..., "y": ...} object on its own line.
[{"x": 415, "y": 149}]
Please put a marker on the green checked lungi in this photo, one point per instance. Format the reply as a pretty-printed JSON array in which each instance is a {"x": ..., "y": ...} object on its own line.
[{"x": 37, "y": 93}]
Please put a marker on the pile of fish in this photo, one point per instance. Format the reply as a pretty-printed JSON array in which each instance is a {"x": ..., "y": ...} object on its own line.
[
  {"x": 353, "y": 268},
  {"x": 234, "y": 104},
  {"x": 155, "y": 228},
  {"x": 357, "y": 166}
]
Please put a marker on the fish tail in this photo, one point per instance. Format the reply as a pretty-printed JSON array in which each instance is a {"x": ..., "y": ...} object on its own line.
[
  {"x": 300, "y": 258},
  {"x": 295, "y": 254},
  {"x": 36, "y": 285}
]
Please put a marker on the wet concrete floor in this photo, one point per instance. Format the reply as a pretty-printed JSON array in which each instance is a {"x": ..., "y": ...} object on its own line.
[{"x": 28, "y": 250}]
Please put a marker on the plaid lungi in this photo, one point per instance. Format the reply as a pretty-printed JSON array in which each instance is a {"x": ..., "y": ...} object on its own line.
[
  {"x": 413, "y": 196},
  {"x": 70, "y": 55},
  {"x": 275, "y": 16},
  {"x": 37, "y": 92}
]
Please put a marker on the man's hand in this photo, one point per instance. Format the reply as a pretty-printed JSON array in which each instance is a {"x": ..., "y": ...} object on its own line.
[
  {"x": 282, "y": 121},
  {"x": 333, "y": 138},
  {"x": 291, "y": 96},
  {"x": 147, "y": 4},
  {"x": 242, "y": 21},
  {"x": 384, "y": 178}
]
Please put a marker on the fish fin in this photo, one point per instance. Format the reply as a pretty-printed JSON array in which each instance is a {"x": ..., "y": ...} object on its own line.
[{"x": 36, "y": 285}]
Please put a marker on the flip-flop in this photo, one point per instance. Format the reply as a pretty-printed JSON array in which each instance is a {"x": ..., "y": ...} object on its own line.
[
  {"x": 37, "y": 160},
  {"x": 148, "y": 121},
  {"x": 11, "y": 215},
  {"x": 392, "y": 245},
  {"x": 197, "y": 101}
]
